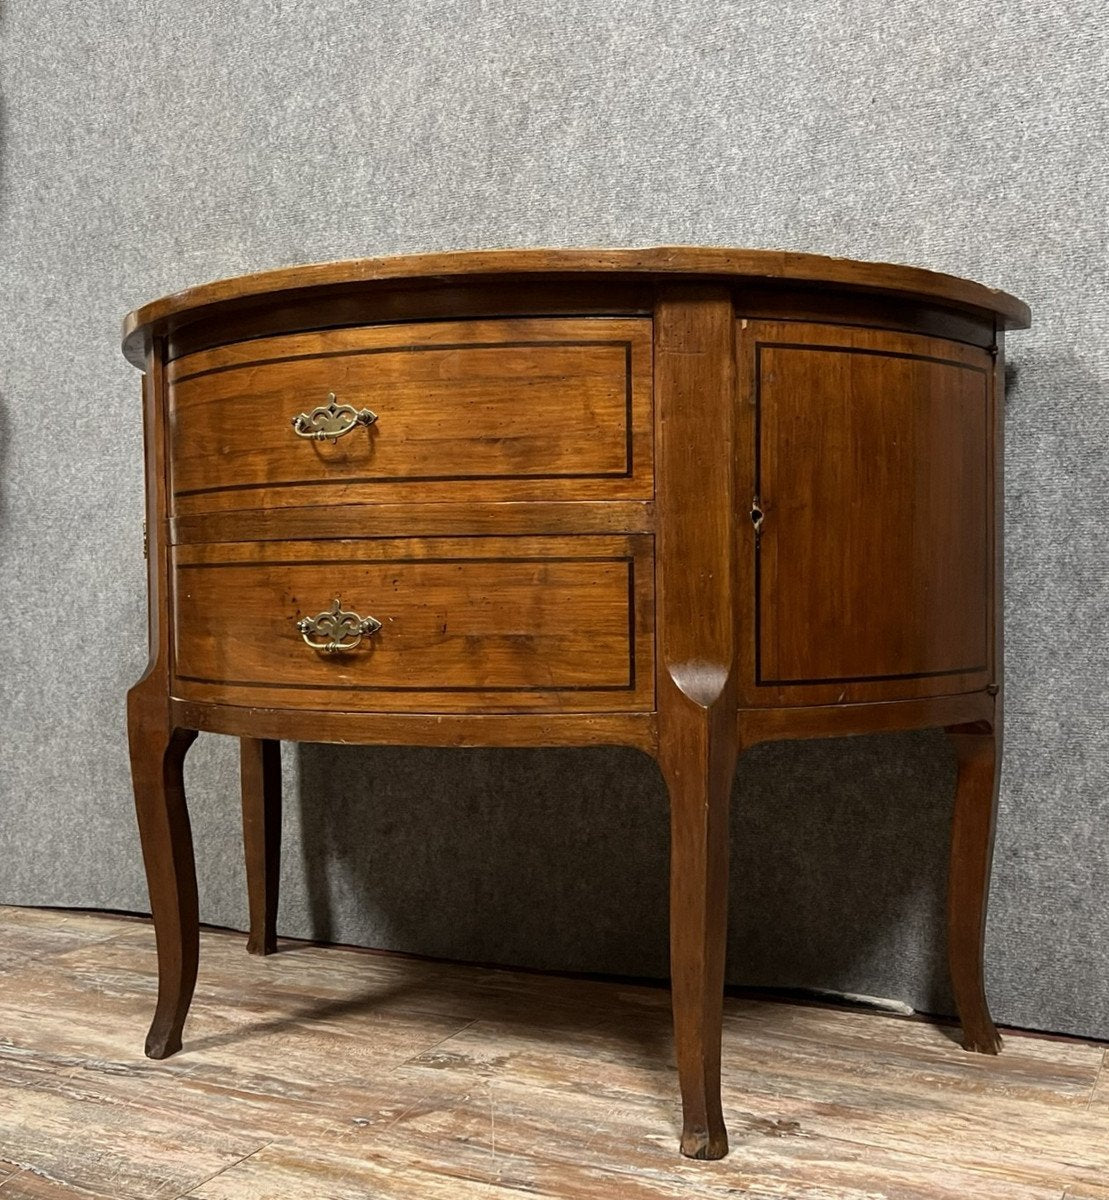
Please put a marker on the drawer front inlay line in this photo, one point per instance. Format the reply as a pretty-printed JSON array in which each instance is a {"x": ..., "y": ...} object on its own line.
[
  {"x": 573, "y": 624},
  {"x": 626, "y": 473},
  {"x": 566, "y": 416}
]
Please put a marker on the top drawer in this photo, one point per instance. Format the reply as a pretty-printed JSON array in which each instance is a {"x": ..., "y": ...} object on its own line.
[{"x": 543, "y": 408}]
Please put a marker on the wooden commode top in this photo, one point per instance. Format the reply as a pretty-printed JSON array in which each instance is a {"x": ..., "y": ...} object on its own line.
[{"x": 676, "y": 498}]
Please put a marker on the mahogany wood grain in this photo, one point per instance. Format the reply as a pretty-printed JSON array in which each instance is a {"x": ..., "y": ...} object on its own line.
[
  {"x": 843, "y": 720},
  {"x": 392, "y": 301},
  {"x": 504, "y": 519},
  {"x": 872, "y": 515},
  {"x": 997, "y": 531},
  {"x": 697, "y": 691},
  {"x": 786, "y": 302},
  {"x": 157, "y": 750},
  {"x": 387, "y": 302},
  {"x": 810, "y": 490},
  {"x": 466, "y": 410},
  {"x": 157, "y": 318},
  {"x": 157, "y": 758},
  {"x": 336, "y": 727},
  {"x": 156, "y": 509},
  {"x": 260, "y": 771},
  {"x": 978, "y": 748},
  {"x": 467, "y": 624}
]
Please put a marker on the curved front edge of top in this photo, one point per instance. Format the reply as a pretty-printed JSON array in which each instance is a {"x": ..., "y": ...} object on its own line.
[{"x": 665, "y": 261}]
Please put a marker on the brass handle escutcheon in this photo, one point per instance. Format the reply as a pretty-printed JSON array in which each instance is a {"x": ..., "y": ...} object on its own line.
[
  {"x": 331, "y": 420},
  {"x": 338, "y": 630}
]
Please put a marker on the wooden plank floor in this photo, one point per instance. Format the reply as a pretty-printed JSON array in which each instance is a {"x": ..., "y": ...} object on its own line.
[{"x": 333, "y": 1074}]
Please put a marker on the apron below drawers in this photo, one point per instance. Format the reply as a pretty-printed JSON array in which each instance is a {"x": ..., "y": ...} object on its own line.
[{"x": 418, "y": 624}]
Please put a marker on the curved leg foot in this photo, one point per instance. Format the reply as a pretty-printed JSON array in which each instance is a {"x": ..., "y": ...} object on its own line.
[
  {"x": 972, "y": 835},
  {"x": 164, "y": 1038},
  {"x": 260, "y": 769},
  {"x": 157, "y": 758},
  {"x": 708, "y": 1141},
  {"x": 699, "y": 769}
]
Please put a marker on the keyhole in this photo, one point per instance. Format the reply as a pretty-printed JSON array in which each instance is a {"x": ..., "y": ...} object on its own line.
[{"x": 756, "y": 518}]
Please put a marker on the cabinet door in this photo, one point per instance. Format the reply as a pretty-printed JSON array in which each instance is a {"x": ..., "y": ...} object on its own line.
[{"x": 870, "y": 543}]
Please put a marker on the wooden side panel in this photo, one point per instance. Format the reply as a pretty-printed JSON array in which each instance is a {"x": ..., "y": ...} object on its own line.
[
  {"x": 498, "y": 624},
  {"x": 547, "y": 408},
  {"x": 872, "y": 473}
]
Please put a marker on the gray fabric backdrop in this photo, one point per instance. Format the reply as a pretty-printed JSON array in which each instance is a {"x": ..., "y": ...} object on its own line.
[{"x": 145, "y": 147}]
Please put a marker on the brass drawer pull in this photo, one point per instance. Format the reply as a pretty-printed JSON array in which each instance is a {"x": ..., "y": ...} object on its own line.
[
  {"x": 331, "y": 420},
  {"x": 339, "y": 630}
]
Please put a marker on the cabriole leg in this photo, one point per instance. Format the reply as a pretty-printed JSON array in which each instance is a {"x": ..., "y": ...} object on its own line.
[
  {"x": 260, "y": 769},
  {"x": 157, "y": 759},
  {"x": 979, "y": 749},
  {"x": 699, "y": 768}
]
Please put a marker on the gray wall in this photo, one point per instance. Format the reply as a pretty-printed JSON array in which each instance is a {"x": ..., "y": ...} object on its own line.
[{"x": 145, "y": 147}]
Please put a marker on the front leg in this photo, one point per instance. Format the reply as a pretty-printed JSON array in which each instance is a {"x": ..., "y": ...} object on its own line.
[
  {"x": 698, "y": 761},
  {"x": 697, "y": 619},
  {"x": 157, "y": 759},
  {"x": 972, "y": 835}
]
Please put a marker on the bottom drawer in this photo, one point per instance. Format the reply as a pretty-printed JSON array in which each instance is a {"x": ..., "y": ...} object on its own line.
[{"x": 449, "y": 624}]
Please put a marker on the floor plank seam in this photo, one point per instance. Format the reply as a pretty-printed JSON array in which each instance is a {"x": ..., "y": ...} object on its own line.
[
  {"x": 434, "y": 1046},
  {"x": 1097, "y": 1081},
  {"x": 14, "y": 1178},
  {"x": 224, "y": 1170},
  {"x": 42, "y": 1176}
]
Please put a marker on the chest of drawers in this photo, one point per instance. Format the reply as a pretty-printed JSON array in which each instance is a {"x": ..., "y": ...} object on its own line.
[{"x": 685, "y": 500}]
